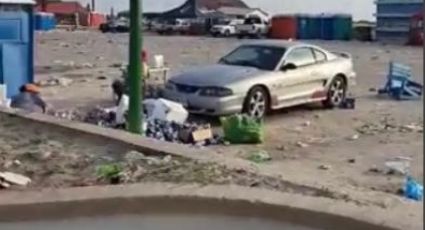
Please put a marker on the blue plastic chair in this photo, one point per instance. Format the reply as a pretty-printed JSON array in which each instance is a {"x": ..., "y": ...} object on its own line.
[{"x": 399, "y": 84}]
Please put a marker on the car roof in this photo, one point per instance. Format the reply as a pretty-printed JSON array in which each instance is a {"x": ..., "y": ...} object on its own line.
[{"x": 278, "y": 43}]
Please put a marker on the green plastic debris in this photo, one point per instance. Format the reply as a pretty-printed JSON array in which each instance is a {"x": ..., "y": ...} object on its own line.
[
  {"x": 109, "y": 171},
  {"x": 259, "y": 157},
  {"x": 242, "y": 129}
]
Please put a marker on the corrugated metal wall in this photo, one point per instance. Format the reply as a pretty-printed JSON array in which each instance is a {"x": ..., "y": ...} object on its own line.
[{"x": 393, "y": 19}]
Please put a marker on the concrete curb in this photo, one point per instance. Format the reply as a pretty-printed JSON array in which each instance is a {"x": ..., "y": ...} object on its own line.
[{"x": 193, "y": 199}]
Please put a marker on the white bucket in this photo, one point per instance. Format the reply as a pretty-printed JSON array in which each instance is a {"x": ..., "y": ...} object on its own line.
[{"x": 158, "y": 61}]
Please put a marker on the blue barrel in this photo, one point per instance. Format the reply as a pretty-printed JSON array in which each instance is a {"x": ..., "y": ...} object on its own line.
[
  {"x": 45, "y": 21},
  {"x": 327, "y": 27}
]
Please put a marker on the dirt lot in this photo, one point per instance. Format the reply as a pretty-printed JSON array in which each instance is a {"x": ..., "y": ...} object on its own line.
[{"x": 344, "y": 149}]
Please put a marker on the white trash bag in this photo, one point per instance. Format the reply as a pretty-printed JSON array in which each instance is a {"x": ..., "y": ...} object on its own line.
[{"x": 165, "y": 110}]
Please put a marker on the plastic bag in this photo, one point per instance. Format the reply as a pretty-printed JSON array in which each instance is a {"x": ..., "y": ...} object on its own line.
[
  {"x": 413, "y": 190},
  {"x": 259, "y": 157},
  {"x": 242, "y": 129}
]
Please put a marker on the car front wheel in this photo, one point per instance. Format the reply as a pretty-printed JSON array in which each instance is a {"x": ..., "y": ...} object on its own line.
[
  {"x": 336, "y": 93},
  {"x": 256, "y": 103}
]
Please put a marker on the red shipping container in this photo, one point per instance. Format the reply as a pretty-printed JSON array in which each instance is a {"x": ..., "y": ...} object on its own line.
[
  {"x": 416, "y": 36},
  {"x": 284, "y": 27},
  {"x": 96, "y": 19}
]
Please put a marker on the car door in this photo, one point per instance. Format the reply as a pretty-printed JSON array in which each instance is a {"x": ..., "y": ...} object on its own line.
[
  {"x": 296, "y": 86},
  {"x": 322, "y": 73}
]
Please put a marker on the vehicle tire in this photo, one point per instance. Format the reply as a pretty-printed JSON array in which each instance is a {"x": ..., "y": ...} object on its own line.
[
  {"x": 256, "y": 102},
  {"x": 336, "y": 93},
  {"x": 227, "y": 33}
]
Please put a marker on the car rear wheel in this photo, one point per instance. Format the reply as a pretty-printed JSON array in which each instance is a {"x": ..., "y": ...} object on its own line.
[
  {"x": 256, "y": 103},
  {"x": 227, "y": 33},
  {"x": 336, "y": 93}
]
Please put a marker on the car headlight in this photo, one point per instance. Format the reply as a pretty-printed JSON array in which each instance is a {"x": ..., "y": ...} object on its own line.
[{"x": 215, "y": 92}]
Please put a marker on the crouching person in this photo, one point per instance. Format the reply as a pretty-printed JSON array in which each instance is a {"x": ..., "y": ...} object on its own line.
[
  {"x": 29, "y": 99},
  {"x": 122, "y": 105}
]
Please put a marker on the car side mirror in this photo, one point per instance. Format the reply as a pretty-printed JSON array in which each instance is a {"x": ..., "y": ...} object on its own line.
[{"x": 288, "y": 67}]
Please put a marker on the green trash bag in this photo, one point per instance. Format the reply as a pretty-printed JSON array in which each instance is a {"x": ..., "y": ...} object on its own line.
[{"x": 242, "y": 129}]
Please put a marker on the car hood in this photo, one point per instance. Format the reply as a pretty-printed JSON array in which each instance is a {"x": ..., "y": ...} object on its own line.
[{"x": 215, "y": 75}]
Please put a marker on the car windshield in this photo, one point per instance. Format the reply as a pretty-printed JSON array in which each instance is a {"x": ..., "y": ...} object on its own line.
[
  {"x": 261, "y": 57},
  {"x": 253, "y": 20},
  {"x": 223, "y": 23}
]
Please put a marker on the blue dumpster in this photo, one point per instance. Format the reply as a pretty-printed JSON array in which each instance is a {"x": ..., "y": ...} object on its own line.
[{"x": 16, "y": 44}]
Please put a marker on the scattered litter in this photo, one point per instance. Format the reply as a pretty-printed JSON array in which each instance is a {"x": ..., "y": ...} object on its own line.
[
  {"x": 398, "y": 166},
  {"x": 373, "y": 90},
  {"x": 375, "y": 169},
  {"x": 349, "y": 103},
  {"x": 188, "y": 133},
  {"x": 307, "y": 123},
  {"x": 281, "y": 148},
  {"x": 325, "y": 167},
  {"x": 302, "y": 144},
  {"x": 63, "y": 44},
  {"x": 62, "y": 81},
  {"x": 354, "y": 137},
  {"x": 195, "y": 133},
  {"x": 4, "y": 184},
  {"x": 242, "y": 129},
  {"x": 88, "y": 65},
  {"x": 117, "y": 65},
  {"x": 134, "y": 156},
  {"x": 413, "y": 190},
  {"x": 110, "y": 172},
  {"x": 102, "y": 78},
  {"x": 413, "y": 128},
  {"x": 9, "y": 164},
  {"x": 352, "y": 161},
  {"x": 259, "y": 157},
  {"x": 13, "y": 178}
]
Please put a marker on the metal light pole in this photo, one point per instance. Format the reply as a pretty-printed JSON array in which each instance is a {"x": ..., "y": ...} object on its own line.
[{"x": 135, "y": 69}]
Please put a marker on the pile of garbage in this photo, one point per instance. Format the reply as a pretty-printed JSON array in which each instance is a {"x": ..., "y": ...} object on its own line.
[
  {"x": 187, "y": 133},
  {"x": 163, "y": 120}
]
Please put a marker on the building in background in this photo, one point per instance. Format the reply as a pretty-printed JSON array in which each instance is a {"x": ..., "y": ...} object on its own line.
[
  {"x": 71, "y": 13},
  {"x": 243, "y": 12},
  {"x": 394, "y": 19}
]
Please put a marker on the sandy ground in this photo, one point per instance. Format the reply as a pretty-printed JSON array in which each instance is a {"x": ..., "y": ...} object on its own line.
[{"x": 298, "y": 150}]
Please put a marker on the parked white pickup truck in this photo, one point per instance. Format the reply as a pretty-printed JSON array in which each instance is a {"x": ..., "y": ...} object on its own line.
[
  {"x": 225, "y": 29},
  {"x": 253, "y": 27}
]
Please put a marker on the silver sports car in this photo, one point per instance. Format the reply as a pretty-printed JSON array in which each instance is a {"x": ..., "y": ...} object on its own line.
[{"x": 258, "y": 77}]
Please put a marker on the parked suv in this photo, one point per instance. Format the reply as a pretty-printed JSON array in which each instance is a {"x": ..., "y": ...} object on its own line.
[
  {"x": 254, "y": 27},
  {"x": 121, "y": 25},
  {"x": 178, "y": 26},
  {"x": 226, "y": 28}
]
